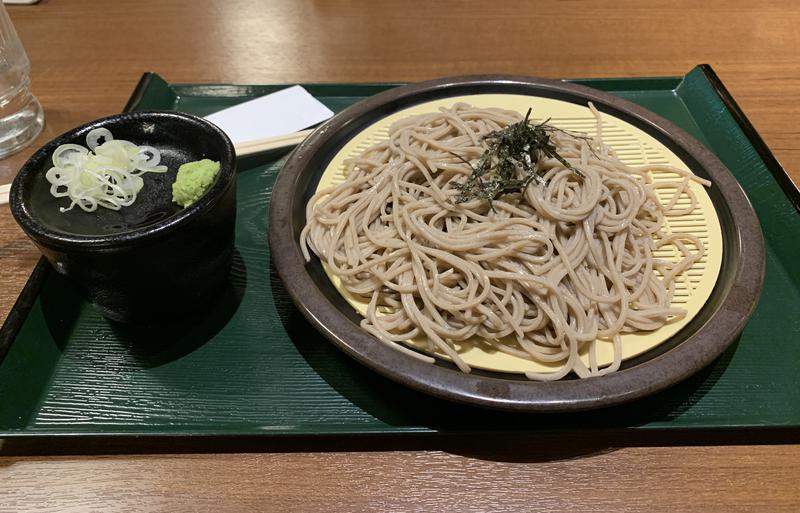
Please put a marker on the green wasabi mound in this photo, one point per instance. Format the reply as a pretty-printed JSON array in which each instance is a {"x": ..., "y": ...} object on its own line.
[{"x": 193, "y": 180}]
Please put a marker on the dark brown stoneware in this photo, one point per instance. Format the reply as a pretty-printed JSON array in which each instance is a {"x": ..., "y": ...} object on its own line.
[
  {"x": 698, "y": 344},
  {"x": 152, "y": 260}
]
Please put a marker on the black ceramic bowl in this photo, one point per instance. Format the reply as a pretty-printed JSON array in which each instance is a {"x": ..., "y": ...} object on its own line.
[{"x": 152, "y": 260}]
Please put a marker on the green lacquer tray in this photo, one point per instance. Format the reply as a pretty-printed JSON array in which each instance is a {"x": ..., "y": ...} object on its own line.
[{"x": 251, "y": 365}]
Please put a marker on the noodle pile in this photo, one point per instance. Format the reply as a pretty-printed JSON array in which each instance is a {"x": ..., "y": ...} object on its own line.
[{"x": 542, "y": 274}]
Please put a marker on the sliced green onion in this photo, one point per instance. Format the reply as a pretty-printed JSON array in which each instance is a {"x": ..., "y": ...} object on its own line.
[{"x": 107, "y": 175}]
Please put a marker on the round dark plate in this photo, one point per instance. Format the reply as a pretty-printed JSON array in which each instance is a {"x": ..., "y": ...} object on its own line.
[{"x": 716, "y": 326}]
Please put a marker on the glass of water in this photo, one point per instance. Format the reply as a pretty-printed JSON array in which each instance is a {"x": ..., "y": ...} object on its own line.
[{"x": 21, "y": 116}]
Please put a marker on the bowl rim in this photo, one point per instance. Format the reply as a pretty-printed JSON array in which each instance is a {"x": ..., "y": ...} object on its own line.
[
  {"x": 47, "y": 236},
  {"x": 676, "y": 364}
]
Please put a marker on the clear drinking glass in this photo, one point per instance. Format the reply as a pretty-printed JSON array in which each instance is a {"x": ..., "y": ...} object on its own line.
[{"x": 21, "y": 116}]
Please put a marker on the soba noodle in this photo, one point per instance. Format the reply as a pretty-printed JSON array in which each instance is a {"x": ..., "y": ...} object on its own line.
[{"x": 542, "y": 275}]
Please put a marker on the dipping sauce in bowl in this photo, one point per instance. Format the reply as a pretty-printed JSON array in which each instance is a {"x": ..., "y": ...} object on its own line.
[{"x": 153, "y": 259}]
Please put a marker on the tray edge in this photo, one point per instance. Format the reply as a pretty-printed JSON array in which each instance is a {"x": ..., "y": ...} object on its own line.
[{"x": 751, "y": 134}]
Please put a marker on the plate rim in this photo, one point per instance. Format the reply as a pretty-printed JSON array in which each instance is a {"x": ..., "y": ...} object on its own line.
[{"x": 676, "y": 364}]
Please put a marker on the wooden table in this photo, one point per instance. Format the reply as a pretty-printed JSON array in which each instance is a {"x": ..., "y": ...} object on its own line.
[{"x": 87, "y": 56}]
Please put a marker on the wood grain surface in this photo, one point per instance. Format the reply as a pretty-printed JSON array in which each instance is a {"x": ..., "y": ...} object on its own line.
[
  {"x": 637, "y": 479},
  {"x": 88, "y": 55}
]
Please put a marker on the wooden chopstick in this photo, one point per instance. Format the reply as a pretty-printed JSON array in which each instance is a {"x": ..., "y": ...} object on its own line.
[
  {"x": 4, "y": 189},
  {"x": 271, "y": 143},
  {"x": 242, "y": 150}
]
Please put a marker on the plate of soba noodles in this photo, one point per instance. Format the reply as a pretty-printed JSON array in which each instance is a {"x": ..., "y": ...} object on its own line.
[{"x": 516, "y": 243}]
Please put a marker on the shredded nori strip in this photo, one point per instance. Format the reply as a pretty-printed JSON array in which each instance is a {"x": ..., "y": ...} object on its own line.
[{"x": 519, "y": 146}]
